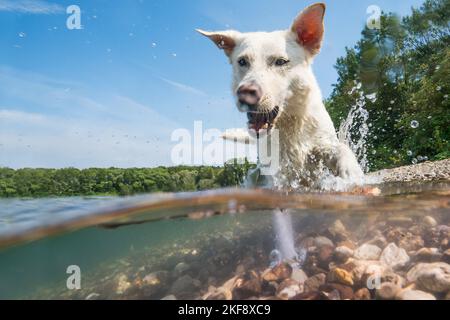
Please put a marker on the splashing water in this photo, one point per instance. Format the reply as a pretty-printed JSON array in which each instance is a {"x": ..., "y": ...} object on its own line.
[{"x": 357, "y": 118}]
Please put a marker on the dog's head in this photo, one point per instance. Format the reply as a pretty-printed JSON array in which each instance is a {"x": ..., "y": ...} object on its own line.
[{"x": 269, "y": 66}]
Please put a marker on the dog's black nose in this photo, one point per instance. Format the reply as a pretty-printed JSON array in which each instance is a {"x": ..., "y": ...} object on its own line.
[{"x": 249, "y": 94}]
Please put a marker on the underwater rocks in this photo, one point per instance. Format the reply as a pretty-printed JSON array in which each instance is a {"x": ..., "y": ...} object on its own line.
[
  {"x": 367, "y": 252},
  {"x": 431, "y": 277},
  {"x": 346, "y": 259},
  {"x": 394, "y": 256}
]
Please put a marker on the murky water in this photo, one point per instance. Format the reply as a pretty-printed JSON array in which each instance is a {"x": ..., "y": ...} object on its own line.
[{"x": 220, "y": 244}]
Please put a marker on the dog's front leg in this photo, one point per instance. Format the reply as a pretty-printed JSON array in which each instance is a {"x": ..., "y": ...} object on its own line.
[{"x": 347, "y": 167}]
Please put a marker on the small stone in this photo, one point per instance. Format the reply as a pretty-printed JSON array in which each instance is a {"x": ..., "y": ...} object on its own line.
[
  {"x": 429, "y": 222},
  {"x": 299, "y": 275},
  {"x": 363, "y": 294},
  {"x": 338, "y": 231},
  {"x": 323, "y": 241},
  {"x": 394, "y": 256},
  {"x": 184, "y": 284},
  {"x": 324, "y": 256},
  {"x": 387, "y": 291},
  {"x": 411, "y": 242},
  {"x": 367, "y": 252},
  {"x": 122, "y": 284},
  {"x": 432, "y": 277},
  {"x": 181, "y": 268},
  {"x": 345, "y": 292},
  {"x": 342, "y": 253},
  {"x": 364, "y": 270},
  {"x": 289, "y": 289},
  {"x": 169, "y": 297},
  {"x": 282, "y": 271},
  {"x": 340, "y": 276},
  {"x": 249, "y": 285},
  {"x": 313, "y": 283},
  {"x": 409, "y": 294}
]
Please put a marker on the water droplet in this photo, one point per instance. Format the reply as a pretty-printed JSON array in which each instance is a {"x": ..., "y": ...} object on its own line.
[
  {"x": 414, "y": 161},
  {"x": 22, "y": 34},
  {"x": 131, "y": 34},
  {"x": 154, "y": 44},
  {"x": 174, "y": 55},
  {"x": 438, "y": 88},
  {"x": 392, "y": 101},
  {"x": 409, "y": 153},
  {"x": 414, "y": 124},
  {"x": 374, "y": 152}
]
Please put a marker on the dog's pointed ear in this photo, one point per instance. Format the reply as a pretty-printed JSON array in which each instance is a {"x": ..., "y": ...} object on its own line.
[
  {"x": 309, "y": 28},
  {"x": 225, "y": 40}
]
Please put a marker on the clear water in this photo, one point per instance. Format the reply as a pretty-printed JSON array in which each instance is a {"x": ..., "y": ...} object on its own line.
[{"x": 193, "y": 241}]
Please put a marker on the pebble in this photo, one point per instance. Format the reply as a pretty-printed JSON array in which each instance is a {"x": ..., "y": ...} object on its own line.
[
  {"x": 394, "y": 256},
  {"x": 367, "y": 252},
  {"x": 181, "y": 268},
  {"x": 343, "y": 253},
  {"x": 323, "y": 241},
  {"x": 363, "y": 294},
  {"x": 299, "y": 275},
  {"x": 184, "y": 284},
  {"x": 429, "y": 222},
  {"x": 409, "y": 294},
  {"x": 122, "y": 284},
  {"x": 387, "y": 291},
  {"x": 249, "y": 285},
  {"x": 289, "y": 289},
  {"x": 431, "y": 277},
  {"x": 313, "y": 283},
  {"x": 340, "y": 276}
]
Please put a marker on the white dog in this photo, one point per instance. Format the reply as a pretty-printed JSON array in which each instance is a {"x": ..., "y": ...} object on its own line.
[{"x": 275, "y": 85}]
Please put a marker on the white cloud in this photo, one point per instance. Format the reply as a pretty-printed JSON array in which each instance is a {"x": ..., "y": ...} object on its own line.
[
  {"x": 31, "y": 6},
  {"x": 184, "y": 87},
  {"x": 15, "y": 116}
]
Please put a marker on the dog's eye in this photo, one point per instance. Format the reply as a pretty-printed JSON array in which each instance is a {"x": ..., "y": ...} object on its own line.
[
  {"x": 281, "y": 62},
  {"x": 243, "y": 62}
]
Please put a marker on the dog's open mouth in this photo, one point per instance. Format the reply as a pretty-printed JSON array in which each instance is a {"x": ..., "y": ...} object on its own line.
[{"x": 262, "y": 120}]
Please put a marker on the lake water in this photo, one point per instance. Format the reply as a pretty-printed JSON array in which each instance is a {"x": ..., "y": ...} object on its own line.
[{"x": 220, "y": 244}]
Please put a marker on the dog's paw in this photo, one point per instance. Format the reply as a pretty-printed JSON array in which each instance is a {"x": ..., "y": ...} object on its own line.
[{"x": 351, "y": 172}]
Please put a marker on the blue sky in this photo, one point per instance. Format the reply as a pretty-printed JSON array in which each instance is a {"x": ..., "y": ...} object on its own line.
[{"x": 112, "y": 93}]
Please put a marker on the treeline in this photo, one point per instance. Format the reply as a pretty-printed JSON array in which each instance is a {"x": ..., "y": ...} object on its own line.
[
  {"x": 400, "y": 74},
  {"x": 113, "y": 181}
]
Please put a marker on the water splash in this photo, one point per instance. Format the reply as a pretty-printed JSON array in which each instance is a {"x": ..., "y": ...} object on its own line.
[{"x": 355, "y": 129}]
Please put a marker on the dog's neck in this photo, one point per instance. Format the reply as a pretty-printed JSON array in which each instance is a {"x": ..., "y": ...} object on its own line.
[{"x": 303, "y": 121}]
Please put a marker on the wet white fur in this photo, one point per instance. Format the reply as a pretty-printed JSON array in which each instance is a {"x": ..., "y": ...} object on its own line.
[{"x": 304, "y": 124}]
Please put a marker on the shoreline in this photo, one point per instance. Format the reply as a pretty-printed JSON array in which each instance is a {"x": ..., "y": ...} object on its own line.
[{"x": 426, "y": 171}]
